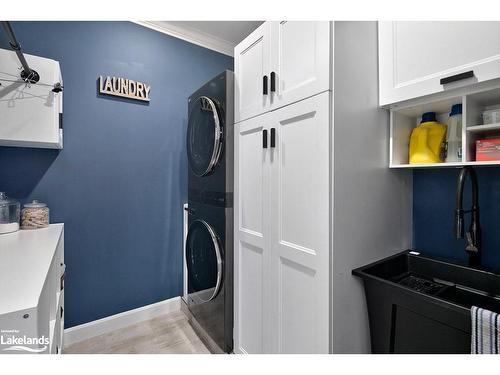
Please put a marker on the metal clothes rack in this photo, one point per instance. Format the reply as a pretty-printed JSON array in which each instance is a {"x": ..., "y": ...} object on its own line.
[{"x": 28, "y": 75}]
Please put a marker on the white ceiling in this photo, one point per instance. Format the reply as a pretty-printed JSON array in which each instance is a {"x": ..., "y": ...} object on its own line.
[{"x": 221, "y": 36}]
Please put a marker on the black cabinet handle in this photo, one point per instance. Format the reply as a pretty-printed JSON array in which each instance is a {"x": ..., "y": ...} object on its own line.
[
  {"x": 273, "y": 82},
  {"x": 62, "y": 279},
  {"x": 264, "y": 85},
  {"x": 457, "y": 77},
  {"x": 264, "y": 138},
  {"x": 273, "y": 137}
]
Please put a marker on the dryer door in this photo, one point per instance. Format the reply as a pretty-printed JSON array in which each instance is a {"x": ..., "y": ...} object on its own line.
[
  {"x": 204, "y": 262},
  {"x": 204, "y": 136}
]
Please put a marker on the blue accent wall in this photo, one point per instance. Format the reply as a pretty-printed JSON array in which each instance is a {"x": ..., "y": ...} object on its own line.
[
  {"x": 433, "y": 214},
  {"x": 120, "y": 181}
]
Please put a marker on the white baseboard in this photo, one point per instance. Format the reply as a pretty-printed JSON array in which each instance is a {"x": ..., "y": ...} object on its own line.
[{"x": 98, "y": 327}]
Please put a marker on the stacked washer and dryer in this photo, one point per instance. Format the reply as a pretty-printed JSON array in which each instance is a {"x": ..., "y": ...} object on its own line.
[{"x": 209, "y": 240}]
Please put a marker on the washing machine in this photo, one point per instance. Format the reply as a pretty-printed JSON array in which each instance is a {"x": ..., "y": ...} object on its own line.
[
  {"x": 210, "y": 143},
  {"x": 209, "y": 240}
]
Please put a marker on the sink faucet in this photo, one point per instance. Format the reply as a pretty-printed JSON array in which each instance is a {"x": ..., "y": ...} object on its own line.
[{"x": 473, "y": 236}]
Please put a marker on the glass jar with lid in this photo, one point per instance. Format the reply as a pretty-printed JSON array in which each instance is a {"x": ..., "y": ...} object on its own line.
[
  {"x": 34, "y": 215},
  {"x": 9, "y": 214}
]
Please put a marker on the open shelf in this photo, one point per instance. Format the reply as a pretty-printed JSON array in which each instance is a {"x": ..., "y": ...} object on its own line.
[
  {"x": 433, "y": 165},
  {"x": 446, "y": 165},
  {"x": 483, "y": 128},
  {"x": 403, "y": 119}
]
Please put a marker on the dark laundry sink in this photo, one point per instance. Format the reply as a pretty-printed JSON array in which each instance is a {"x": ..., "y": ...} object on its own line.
[{"x": 417, "y": 304}]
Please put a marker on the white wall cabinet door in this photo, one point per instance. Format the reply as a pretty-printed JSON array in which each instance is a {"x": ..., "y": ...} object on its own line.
[
  {"x": 415, "y": 56},
  {"x": 300, "y": 227},
  {"x": 252, "y": 250},
  {"x": 251, "y": 67},
  {"x": 300, "y": 60}
]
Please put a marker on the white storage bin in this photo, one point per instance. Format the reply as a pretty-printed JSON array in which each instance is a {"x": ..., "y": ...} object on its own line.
[{"x": 491, "y": 116}]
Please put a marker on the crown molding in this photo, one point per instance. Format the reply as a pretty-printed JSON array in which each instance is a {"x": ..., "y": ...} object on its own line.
[{"x": 190, "y": 35}]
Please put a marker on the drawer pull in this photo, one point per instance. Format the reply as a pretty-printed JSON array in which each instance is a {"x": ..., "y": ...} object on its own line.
[{"x": 457, "y": 77}]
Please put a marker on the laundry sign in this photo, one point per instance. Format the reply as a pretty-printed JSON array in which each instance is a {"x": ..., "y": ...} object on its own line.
[{"x": 124, "y": 87}]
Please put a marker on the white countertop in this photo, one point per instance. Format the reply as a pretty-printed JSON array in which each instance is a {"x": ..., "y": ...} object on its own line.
[{"x": 25, "y": 258}]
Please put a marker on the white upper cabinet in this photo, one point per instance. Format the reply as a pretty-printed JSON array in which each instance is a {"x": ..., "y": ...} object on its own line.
[
  {"x": 300, "y": 60},
  {"x": 30, "y": 114},
  {"x": 251, "y": 66},
  {"x": 281, "y": 63},
  {"x": 423, "y": 58}
]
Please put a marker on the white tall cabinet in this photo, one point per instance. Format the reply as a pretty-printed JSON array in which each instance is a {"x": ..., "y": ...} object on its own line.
[{"x": 283, "y": 188}]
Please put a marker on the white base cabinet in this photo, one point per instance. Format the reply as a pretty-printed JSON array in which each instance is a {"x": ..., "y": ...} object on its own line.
[
  {"x": 282, "y": 225},
  {"x": 422, "y": 58},
  {"x": 32, "y": 273}
]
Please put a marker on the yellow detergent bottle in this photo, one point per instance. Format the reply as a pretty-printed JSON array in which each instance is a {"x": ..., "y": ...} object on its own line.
[{"x": 427, "y": 141}]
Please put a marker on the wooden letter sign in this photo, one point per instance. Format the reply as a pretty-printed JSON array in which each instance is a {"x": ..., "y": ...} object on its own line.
[{"x": 125, "y": 88}]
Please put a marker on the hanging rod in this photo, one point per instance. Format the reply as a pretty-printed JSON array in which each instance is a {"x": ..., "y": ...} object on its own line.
[{"x": 27, "y": 74}]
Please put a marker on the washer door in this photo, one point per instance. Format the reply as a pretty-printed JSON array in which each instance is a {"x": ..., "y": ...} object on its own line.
[
  {"x": 204, "y": 262},
  {"x": 204, "y": 136}
]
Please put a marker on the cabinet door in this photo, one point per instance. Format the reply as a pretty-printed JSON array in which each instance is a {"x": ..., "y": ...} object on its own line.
[
  {"x": 300, "y": 60},
  {"x": 415, "y": 56},
  {"x": 300, "y": 227},
  {"x": 251, "y": 67},
  {"x": 251, "y": 246}
]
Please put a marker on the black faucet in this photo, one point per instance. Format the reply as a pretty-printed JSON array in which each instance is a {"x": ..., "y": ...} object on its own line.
[{"x": 473, "y": 236}]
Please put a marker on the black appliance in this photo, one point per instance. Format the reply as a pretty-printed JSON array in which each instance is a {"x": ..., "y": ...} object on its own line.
[{"x": 209, "y": 242}]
